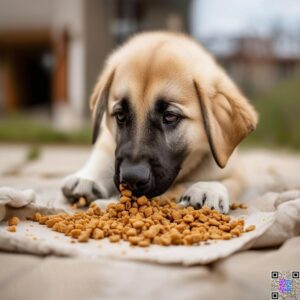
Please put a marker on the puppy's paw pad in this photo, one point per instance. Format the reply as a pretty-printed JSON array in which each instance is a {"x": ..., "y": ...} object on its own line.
[
  {"x": 211, "y": 194},
  {"x": 75, "y": 187}
]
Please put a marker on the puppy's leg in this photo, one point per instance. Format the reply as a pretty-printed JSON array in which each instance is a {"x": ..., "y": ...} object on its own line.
[{"x": 95, "y": 179}]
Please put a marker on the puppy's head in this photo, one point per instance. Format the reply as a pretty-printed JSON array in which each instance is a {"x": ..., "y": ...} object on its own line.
[{"x": 168, "y": 104}]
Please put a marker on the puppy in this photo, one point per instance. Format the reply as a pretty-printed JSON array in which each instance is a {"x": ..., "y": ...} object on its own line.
[{"x": 166, "y": 119}]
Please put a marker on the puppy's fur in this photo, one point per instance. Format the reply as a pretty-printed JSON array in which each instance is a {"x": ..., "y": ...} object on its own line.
[{"x": 174, "y": 71}]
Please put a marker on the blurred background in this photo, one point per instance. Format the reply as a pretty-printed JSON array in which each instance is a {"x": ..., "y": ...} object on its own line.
[{"x": 51, "y": 52}]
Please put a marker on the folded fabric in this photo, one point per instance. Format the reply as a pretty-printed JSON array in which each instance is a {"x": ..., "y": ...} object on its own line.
[{"x": 275, "y": 215}]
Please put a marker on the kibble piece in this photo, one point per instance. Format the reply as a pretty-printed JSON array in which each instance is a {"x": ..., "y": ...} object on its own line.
[
  {"x": 250, "y": 228},
  {"x": 114, "y": 238},
  {"x": 166, "y": 240},
  {"x": 215, "y": 236},
  {"x": 82, "y": 201},
  {"x": 126, "y": 193},
  {"x": 122, "y": 188},
  {"x": 75, "y": 233},
  {"x": 203, "y": 218},
  {"x": 235, "y": 231},
  {"x": 144, "y": 243},
  {"x": 90, "y": 211},
  {"x": 214, "y": 222},
  {"x": 13, "y": 221},
  {"x": 83, "y": 237},
  {"x": 124, "y": 199},
  {"x": 138, "y": 224},
  {"x": 134, "y": 240},
  {"x": 98, "y": 234},
  {"x": 37, "y": 217},
  {"x": 52, "y": 221},
  {"x": 43, "y": 220},
  {"x": 12, "y": 228},
  {"x": 225, "y": 218},
  {"x": 148, "y": 212},
  {"x": 234, "y": 206},
  {"x": 188, "y": 218},
  {"x": 131, "y": 232},
  {"x": 224, "y": 228},
  {"x": 142, "y": 200},
  {"x": 227, "y": 236},
  {"x": 120, "y": 207}
]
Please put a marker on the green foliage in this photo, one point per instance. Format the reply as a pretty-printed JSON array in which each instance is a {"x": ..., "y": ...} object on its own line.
[
  {"x": 18, "y": 128},
  {"x": 279, "y": 116},
  {"x": 33, "y": 153}
]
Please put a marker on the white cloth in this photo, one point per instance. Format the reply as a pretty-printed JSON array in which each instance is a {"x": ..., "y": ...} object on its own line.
[{"x": 275, "y": 215}]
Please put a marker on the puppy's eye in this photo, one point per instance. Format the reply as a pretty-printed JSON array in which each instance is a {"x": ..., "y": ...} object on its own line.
[
  {"x": 170, "y": 118},
  {"x": 121, "y": 117}
]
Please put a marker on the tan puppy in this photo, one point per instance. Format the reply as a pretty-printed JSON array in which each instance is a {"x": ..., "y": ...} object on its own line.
[{"x": 166, "y": 120}]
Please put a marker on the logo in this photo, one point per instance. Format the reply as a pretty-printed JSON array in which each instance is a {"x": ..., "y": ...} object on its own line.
[{"x": 285, "y": 285}]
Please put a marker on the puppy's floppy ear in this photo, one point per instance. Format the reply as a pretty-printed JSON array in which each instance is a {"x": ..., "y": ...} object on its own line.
[
  {"x": 228, "y": 118},
  {"x": 99, "y": 100}
]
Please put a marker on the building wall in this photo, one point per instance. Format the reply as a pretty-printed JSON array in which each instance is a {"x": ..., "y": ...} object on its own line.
[{"x": 16, "y": 14}]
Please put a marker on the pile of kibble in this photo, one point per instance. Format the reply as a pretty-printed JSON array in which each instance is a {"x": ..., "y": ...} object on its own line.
[{"x": 143, "y": 222}]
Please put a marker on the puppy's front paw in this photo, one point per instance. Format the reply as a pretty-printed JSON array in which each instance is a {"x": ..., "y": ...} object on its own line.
[
  {"x": 212, "y": 194},
  {"x": 75, "y": 187}
]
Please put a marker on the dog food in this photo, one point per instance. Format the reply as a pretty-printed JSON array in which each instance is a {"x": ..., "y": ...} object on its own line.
[
  {"x": 12, "y": 224},
  {"x": 12, "y": 228},
  {"x": 143, "y": 222},
  {"x": 236, "y": 205},
  {"x": 13, "y": 221}
]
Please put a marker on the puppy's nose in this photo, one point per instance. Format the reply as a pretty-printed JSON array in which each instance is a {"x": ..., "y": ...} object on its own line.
[{"x": 135, "y": 176}]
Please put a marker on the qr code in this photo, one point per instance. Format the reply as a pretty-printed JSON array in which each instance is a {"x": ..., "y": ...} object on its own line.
[{"x": 285, "y": 285}]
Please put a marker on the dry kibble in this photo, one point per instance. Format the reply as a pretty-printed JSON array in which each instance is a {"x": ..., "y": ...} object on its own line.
[
  {"x": 90, "y": 211},
  {"x": 120, "y": 207},
  {"x": 235, "y": 231},
  {"x": 234, "y": 205},
  {"x": 250, "y": 228},
  {"x": 126, "y": 193},
  {"x": 82, "y": 201},
  {"x": 52, "y": 221},
  {"x": 203, "y": 218},
  {"x": 148, "y": 212},
  {"x": 12, "y": 228},
  {"x": 144, "y": 243},
  {"x": 75, "y": 233},
  {"x": 138, "y": 224},
  {"x": 43, "y": 220},
  {"x": 214, "y": 222},
  {"x": 114, "y": 238},
  {"x": 188, "y": 218},
  {"x": 142, "y": 200},
  {"x": 131, "y": 232},
  {"x": 227, "y": 236},
  {"x": 225, "y": 228},
  {"x": 98, "y": 234},
  {"x": 143, "y": 222},
  {"x": 13, "y": 221},
  {"x": 83, "y": 237}
]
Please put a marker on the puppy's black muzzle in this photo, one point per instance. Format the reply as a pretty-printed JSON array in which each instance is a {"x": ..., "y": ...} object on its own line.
[{"x": 136, "y": 176}]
